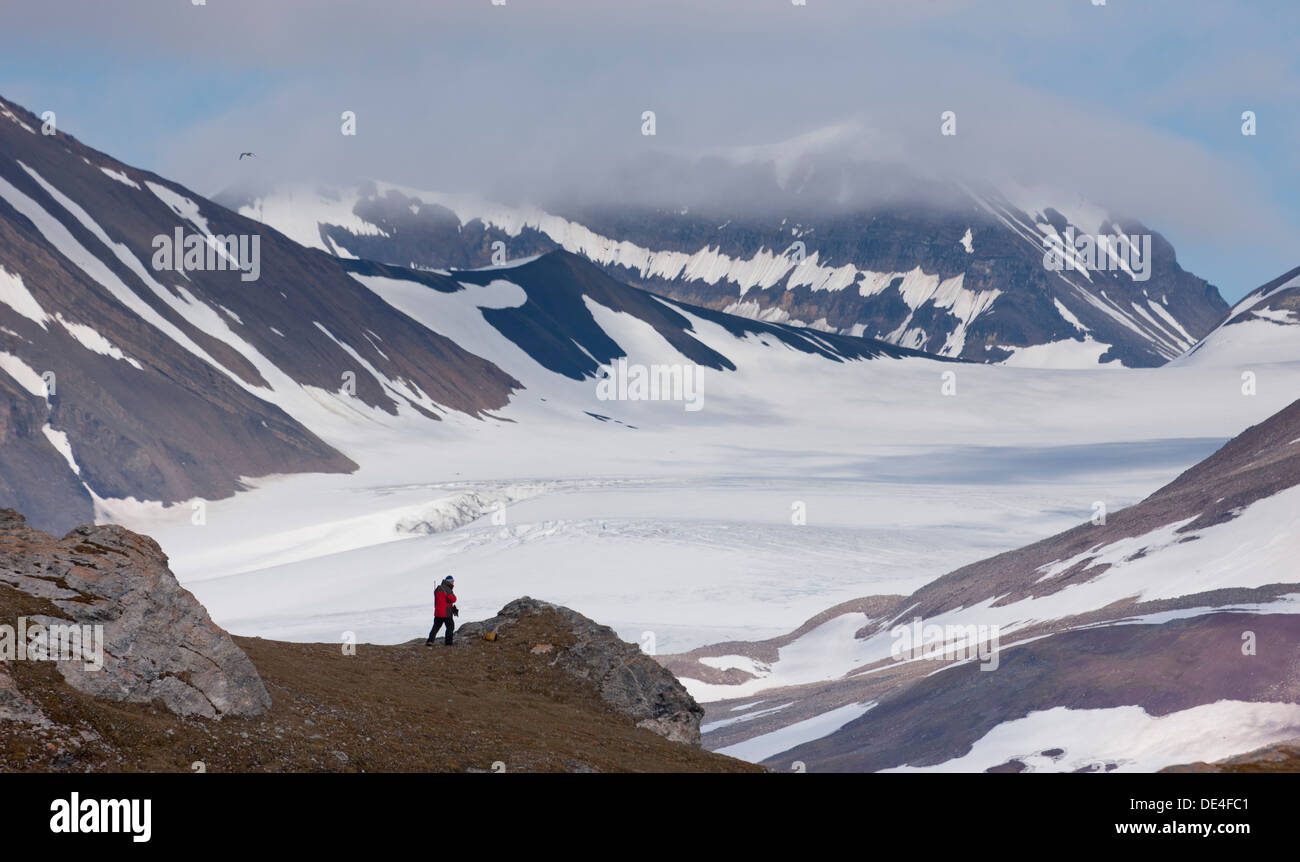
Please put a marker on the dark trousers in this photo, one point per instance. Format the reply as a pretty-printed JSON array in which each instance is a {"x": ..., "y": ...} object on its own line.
[{"x": 437, "y": 623}]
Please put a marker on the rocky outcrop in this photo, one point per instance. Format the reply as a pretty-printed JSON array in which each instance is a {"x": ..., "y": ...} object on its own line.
[
  {"x": 159, "y": 644},
  {"x": 630, "y": 681}
]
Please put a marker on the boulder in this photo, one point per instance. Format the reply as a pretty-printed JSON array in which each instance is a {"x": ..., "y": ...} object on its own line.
[
  {"x": 159, "y": 644},
  {"x": 628, "y": 680}
]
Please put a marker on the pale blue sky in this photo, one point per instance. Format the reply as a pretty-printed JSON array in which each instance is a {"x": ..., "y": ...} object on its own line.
[{"x": 1135, "y": 104}]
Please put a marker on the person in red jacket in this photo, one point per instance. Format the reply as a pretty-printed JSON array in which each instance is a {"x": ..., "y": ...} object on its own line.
[{"x": 444, "y": 608}]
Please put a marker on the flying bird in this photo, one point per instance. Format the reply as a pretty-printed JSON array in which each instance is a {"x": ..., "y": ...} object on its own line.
[{"x": 241, "y": 155}]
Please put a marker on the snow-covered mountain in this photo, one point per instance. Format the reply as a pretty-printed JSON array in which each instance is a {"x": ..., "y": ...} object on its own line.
[
  {"x": 1264, "y": 327},
  {"x": 963, "y": 274},
  {"x": 1129, "y": 642},
  {"x": 133, "y": 374}
]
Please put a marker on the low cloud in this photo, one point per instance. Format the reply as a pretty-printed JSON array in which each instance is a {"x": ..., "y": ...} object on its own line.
[{"x": 531, "y": 101}]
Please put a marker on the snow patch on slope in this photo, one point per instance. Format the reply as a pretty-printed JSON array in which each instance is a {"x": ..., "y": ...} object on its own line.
[
  {"x": 120, "y": 177},
  {"x": 15, "y": 294},
  {"x": 91, "y": 339},
  {"x": 1126, "y": 737},
  {"x": 24, "y": 374},
  {"x": 10, "y": 115},
  {"x": 59, "y": 440},
  {"x": 767, "y": 745}
]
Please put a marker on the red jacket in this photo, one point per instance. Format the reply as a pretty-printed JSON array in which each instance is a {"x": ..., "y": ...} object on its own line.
[{"x": 443, "y": 600}]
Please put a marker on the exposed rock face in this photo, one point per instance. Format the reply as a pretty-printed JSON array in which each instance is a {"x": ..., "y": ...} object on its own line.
[
  {"x": 629, "y": 680},
  {"x": 159, "y": 644}
]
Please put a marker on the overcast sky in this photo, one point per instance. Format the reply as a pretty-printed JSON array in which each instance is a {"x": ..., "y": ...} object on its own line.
[{"x": 1135, "y": 104}]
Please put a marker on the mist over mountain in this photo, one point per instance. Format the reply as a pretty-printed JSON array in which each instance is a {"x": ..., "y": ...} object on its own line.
[{"x": 859, "y": 249}]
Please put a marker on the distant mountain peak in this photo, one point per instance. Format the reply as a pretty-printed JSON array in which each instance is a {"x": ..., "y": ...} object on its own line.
[{"x": 966, "y": 279}]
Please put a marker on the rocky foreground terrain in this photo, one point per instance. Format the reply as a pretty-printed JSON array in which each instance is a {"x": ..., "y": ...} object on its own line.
[{"x": 552, "y": 691}]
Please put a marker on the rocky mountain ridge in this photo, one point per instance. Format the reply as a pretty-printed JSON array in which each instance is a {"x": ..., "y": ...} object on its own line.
[{"x": 961, "y": 273}]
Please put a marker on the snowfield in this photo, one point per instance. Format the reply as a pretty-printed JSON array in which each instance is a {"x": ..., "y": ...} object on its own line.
[{"x": 684, "y": 524}]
